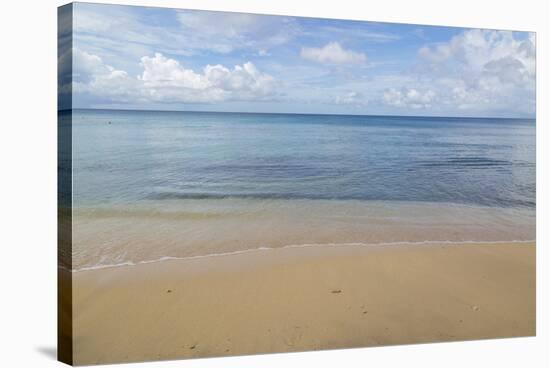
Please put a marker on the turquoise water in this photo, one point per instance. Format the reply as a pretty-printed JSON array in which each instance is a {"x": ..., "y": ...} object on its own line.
[{"x": 150, "y": 186}]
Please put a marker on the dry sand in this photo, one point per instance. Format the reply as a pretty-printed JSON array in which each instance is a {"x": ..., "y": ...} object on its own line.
[{"x": 296, "y": 299}]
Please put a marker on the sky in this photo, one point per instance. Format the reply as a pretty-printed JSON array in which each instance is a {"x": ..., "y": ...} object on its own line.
[{"x": 127, "y": 57}]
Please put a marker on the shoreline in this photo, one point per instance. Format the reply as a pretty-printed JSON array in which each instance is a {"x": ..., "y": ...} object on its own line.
[
  {"x": 304, "y": 298},
  {"x": 262, "y": 249}
]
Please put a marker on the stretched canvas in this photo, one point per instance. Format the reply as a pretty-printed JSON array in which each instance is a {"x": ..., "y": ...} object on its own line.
[{"x": 236, "y": 183}]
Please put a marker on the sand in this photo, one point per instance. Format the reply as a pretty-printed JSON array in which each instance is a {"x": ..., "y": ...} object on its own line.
[{"x": 297, "y": 299}]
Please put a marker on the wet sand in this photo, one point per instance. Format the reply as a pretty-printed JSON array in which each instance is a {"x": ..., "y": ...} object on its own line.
[{"x": 310, "y": 298}]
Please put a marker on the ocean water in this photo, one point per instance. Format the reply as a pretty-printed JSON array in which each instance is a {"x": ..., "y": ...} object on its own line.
[{"x": 156, "y": 185}]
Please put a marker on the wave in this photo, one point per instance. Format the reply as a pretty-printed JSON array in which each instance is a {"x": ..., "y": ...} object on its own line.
[
  {"x": 171, "y": 258},
  {"x": 137, "y": 212},
  {"x": 261, "y": 195},
  {"x": 466, "y": 162},
  {"x": 481, "y": 202}
]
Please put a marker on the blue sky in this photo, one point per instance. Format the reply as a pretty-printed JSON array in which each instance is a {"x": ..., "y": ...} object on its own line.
[{"x": 170, "y": 59}]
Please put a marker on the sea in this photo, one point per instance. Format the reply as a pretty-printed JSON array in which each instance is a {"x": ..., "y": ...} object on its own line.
[{"x": 150, "y": 186}]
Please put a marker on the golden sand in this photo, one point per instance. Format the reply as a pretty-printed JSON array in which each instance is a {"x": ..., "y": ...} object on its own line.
[{"x": 297, "y": 299}]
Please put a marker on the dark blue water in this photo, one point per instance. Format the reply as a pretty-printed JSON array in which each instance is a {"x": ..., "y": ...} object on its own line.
[{"x": 134, "y": 156}]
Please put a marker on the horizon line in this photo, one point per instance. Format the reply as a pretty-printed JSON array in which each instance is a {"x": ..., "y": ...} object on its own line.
[{"x": 298, "y": 113}]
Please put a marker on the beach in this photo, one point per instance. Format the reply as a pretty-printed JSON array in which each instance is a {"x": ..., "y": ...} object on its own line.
[{"x": 304, "y": 298}]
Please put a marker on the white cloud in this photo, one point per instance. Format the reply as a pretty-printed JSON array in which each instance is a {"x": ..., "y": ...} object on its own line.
[
  {"x": 350, "y": 98},
  {"x": 224, "y": 32},
  {"x": 263, "y": 52},
  {"x": 472, "y": 50},
  {"x": 244, "y": 79},
  {"x": 165, "y": 80},
  {"x": 436, "y": 54},
  {"x": 409, "y": 98},
  {"x": 476, "y": 71},
  {"x": 358, "y": 30},
  {"x": 126, "y": 31},
  {"x": 332, "y": 53},
  {"x": 92, "y": 75},
  {"x": 160, "y": 71},
  {"x": 219, "y": 23}
]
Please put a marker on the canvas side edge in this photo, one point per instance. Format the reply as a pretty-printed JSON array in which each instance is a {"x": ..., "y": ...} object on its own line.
[{"x": 64, "y": 184}]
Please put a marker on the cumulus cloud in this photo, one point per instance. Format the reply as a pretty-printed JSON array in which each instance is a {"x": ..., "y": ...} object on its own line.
[
  {"x": 475, "y": 71},
  {"x": 350, "y": 98},
  {"x": 165, "y": 80},
  {"x": 92, "y": 75},
  {"x": 409, "y": 97},
  {"x": 472, "y": 50},
  {"x": 159, "y": 71},
  {"x": 332, "y": 53}
]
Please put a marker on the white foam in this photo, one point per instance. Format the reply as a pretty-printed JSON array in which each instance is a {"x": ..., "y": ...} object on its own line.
[{"x": 170, "y": 258}]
